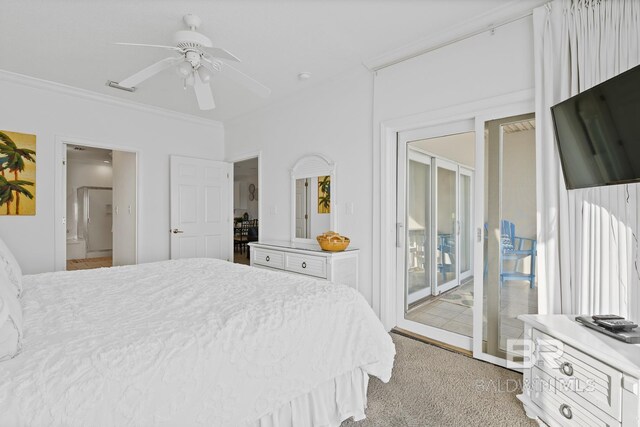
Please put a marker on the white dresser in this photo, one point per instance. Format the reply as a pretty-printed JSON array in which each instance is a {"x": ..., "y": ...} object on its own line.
[
  {"x": 307, "y": 259},
  {"x": 577, "y": 376}
]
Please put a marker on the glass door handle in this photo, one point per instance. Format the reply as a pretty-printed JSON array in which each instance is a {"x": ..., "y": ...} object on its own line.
[{"x": 398, "y": 228}]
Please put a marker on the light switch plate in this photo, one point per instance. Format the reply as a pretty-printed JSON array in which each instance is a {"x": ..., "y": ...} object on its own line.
[{"x": 348, "y": 208}]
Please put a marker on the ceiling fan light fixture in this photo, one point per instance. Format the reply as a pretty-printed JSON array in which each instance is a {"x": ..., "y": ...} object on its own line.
[
  {"x": 205, "y": 75},
  {"x": 189, "y": 80},
  {"x": 184, "y": 69}
]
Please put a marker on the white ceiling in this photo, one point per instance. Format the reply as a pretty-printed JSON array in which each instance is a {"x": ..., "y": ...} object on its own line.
[
  {"x": 88, "y": 154},
  {"x": 71, "y": 42}
]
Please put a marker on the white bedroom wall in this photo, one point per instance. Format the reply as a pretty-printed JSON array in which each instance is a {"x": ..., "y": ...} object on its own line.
[
  {"x": 33, "y": 108},
  {"x": 333, "y": 119}
]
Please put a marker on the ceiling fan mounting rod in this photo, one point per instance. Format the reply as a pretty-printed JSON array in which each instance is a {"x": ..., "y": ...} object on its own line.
[{"x": 192, "y": 21}]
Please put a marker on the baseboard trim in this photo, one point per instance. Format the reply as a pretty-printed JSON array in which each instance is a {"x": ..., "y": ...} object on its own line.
[{"x": 421, "y": 338}]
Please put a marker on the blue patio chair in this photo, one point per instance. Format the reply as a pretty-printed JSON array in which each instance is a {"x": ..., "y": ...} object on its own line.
[
  {"x": 514, "y": 249},
  {"x": 447, "y": 251}
]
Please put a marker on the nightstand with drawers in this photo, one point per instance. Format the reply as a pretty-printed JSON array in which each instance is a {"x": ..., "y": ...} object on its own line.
[
  {"x": 575, "y": 376},
  {"x": 307, "y": 259}
]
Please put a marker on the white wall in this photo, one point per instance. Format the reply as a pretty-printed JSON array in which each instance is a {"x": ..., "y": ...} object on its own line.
[
  {"x": 124, "y": 208},
  {"x": 49, "y": 114},
  {"x": 333, "y": 119},
  {"x": 242, "y": 184},
  {"x": 477, "y": 68},
  {"x": 80, "y": 173}
]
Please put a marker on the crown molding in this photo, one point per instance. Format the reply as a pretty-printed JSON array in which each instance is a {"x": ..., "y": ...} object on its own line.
[
  {"x": 37, "y": 83},
  {"x": 488, "y": 21}
]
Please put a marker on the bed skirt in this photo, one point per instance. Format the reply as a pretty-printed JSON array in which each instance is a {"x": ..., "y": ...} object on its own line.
[{"x": 327, "y": 405}]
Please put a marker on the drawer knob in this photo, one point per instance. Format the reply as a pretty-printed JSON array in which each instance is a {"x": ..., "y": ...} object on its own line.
[
  {"x": 267, "y": 258},
  {"x": 565, "y": 410},
  {"x": 566, "y": 368},
  {"x": 304, "y": 264}
]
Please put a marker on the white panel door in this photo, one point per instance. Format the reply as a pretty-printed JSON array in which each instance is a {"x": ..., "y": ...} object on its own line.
[{"x": 200, "y": 208}]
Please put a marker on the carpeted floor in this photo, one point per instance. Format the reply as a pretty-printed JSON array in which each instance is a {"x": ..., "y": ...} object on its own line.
[{"x": 431, "y": 386}]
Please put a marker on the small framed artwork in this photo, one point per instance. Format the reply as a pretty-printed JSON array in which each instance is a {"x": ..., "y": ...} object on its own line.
[
  {"x": 17, "y": 173},
  {"x": 324, "y": 194}
]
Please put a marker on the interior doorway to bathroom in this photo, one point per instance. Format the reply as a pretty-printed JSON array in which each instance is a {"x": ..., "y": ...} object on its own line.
[{"x": 101, "y": 207}]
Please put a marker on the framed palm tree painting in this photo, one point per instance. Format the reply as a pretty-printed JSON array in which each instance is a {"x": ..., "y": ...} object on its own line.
[
  {"x": 324, "y": 194},
  {"x": 17, "y": 173}
]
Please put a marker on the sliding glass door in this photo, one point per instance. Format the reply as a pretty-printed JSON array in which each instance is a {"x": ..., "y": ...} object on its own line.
[
  {"x": 418, "y": 248},
  {"x": 466, "y": 249},
  {"x": 508, "y": 286},
  {"x": 446, "y": 225},
  {"x": 465, "y": 223},
  {"x": 435, "y": 261}
]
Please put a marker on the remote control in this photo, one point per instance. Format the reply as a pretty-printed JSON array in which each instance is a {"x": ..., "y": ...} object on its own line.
[
  {"x": 616, "y": 324},
  {"x": 606, "y": 317}
]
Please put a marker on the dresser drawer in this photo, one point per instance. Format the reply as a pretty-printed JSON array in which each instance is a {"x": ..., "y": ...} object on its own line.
[
  {"x": 268, "y": 258},
  {"x": 306, "y": 264},
  {"x": 564, "y": 410},
  {"x": 596, "y": 386}
]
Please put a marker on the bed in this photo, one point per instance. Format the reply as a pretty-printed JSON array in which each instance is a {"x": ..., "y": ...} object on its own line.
[{"x": 191, "y": 342}]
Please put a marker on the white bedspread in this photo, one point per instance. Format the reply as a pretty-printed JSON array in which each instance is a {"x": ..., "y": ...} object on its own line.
[{"x": 189, "y": 342}]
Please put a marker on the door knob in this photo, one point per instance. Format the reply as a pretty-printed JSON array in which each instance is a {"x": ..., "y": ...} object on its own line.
[{"x": 176, "y": 231}]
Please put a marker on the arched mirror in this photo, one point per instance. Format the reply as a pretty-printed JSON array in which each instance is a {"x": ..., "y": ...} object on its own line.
[{"x": 313, "y": 198}]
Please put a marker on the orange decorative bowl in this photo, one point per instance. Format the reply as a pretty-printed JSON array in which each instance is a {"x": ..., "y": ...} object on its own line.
[{"x": 333, "y": 242}]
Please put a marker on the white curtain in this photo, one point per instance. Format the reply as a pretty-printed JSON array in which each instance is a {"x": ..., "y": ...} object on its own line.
[{"x": 587, "y": 239}]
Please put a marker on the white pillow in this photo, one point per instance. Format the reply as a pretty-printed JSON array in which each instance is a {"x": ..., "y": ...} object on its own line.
[
  {"x": 10, "y": 320},
  {"x": 10, "y": 265}
]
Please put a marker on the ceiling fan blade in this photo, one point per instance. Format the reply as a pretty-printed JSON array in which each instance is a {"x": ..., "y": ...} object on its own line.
[
  {"x": 249, "y": 82},
  {"x": 203, "y": 93},
  {"x": 150, "y": 71},
  {"x": 218, "y": 52},
  {"x": 151, "y": 45}
]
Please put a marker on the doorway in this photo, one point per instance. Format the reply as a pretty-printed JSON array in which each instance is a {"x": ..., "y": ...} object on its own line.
[
  {"x": 435, "y": 211},
  {"x": 466, "y": 248},
  {"x": 246, "y": 208},
  {"x": 100, "y": 216}
]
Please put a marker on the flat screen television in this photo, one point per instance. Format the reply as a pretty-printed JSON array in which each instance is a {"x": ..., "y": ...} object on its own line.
[{"x": 598, "y": 133}]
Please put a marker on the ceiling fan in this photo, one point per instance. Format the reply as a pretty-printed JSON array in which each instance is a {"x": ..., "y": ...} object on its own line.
[{"x": 196, "y": 62}]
